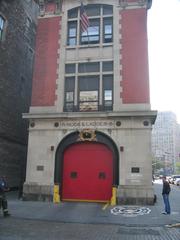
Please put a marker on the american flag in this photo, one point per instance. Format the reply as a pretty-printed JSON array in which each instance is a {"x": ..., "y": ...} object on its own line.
[{"x": 84, "y": 19}]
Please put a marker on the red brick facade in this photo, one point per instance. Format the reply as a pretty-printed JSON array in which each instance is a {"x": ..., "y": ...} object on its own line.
[
  {"x": 135, "y": 81},
  {"x": 134, "y": 57},
  {"x": 45, "y": 66}
]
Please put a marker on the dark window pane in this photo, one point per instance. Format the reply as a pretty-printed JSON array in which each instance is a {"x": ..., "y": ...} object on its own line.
[
  {"x": 107, "y": 92},
  {"x": 72, "y": 26},
  {"x": 94, "y": 39},
  {"x": 69, "y": 107},
  {"x": 93, "y": 10},
  {"x": 107, "y": 10},
  {"x": 84, "y": 40},
  {"x": 88, "y": 67},
  {"x": 70, "y": 68},
  {"x": 107, "y": 82},
  {"x": 87, "y": 83},
  {"x": 108, "y": 104},
  {"x": 72, "y": 33},
  {"x": 107, "y": 30},
  {"x": 69, "y": 83},
  {"x": 108, "y": 66},
  {"x": 73, "y": 13}
]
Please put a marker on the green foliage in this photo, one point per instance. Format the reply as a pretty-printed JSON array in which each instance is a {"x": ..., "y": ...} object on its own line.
[
  {"x": 178, "y": 167},
  {"x": 157, "y": 165}
]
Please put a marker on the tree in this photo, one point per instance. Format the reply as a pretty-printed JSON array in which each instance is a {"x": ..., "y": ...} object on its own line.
[
  {"x": 178, "y": 167},
  {"x": 157, "y": 165}
]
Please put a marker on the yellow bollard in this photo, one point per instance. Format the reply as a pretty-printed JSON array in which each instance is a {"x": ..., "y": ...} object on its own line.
[
  {"x": 113, "y": 198},
  {"x": 56, "y": 196}
]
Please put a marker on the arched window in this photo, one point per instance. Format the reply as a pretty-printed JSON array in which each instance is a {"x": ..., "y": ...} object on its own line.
[
  {"x": 100, "y": 27},
  {"x": 2, "y": 26}
]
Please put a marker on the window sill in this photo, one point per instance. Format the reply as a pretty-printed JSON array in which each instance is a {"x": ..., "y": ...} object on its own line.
[{"x": 89, "y": 46}]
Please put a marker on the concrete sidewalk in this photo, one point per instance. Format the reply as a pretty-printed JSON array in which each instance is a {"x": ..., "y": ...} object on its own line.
[{"x": 93, "y": 213}]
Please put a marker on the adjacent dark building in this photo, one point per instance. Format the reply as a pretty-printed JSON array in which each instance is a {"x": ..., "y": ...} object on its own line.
[{"x": 17, "y": 41}]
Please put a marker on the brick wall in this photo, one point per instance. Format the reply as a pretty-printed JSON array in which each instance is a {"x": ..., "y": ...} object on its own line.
[
  {"x": 45, "y": 65},
  {"x": 135, "y": 75},
  {"x": 16, "y": 59}
]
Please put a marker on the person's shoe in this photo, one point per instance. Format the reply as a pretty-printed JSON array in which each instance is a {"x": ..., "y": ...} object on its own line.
[
  {"x": 7, "y": 214},
  {"x": 165, "y": 213}
]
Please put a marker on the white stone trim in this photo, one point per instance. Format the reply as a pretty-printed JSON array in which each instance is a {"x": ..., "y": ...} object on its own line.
[
  {"x": 89, "y": 115},
  {"x": 133, "y": 5},
  {"x": 58, "y": 62},
  {"x": 49, "y": 16},
  {"x": 61, "y": 51}
]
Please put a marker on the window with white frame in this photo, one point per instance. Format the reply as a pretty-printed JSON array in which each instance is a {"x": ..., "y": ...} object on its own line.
[
  {"x": 2, "y": 25},
  {"x": 100, "y": 29},
  {"x": 88, "y": 86}
]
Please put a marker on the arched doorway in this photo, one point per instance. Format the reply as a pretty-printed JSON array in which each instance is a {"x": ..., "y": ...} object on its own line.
[{"x": 86, "y": 170}]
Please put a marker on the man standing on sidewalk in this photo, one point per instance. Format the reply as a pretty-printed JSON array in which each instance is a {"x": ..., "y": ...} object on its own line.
[
  {"x": 3, "y": 201},
  {"x": 165, "y": 193}
]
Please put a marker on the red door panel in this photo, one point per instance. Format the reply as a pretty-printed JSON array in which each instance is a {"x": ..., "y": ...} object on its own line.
[{"x": 87, "y": 172}]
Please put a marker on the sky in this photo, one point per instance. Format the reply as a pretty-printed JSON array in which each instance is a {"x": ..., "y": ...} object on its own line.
[{"x": 164, "y": 55}]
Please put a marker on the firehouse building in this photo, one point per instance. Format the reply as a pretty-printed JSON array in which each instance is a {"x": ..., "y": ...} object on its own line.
[{"x": 90, "y": 118}]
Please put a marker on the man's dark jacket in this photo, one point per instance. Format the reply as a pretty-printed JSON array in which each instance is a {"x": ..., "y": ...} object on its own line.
[{"x": 166, "y": 188}]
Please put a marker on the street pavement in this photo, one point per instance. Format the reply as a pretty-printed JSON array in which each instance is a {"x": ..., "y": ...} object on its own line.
[{"x": 71, "y": 220}]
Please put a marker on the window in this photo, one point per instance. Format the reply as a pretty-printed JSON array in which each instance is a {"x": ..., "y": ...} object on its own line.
[
  {"x": 69, "y": 93},
  {"x": 107, "y": 91},
  {"x": 73, "y": 13},
  {"x": 89, "y": 67},
  {"x": 2, "y": 24},
  {"x": 82, "y": 86},
  {"x": 72, "y": 33},
  {"x": 92, "y": 35},
  {"x": 88, "y": 93},
  {"x": 107, "y": 30},
  {"x": 100, "y": 24},
  {"x": 107, "y": 66},
  {"x": 70, "y": 68}
]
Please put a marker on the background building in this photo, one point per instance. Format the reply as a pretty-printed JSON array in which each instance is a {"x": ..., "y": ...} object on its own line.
[
  {"x": 166, "y": 141},
  {"x": 17, "y": 38},
  {"x": 90, "y": 116}
]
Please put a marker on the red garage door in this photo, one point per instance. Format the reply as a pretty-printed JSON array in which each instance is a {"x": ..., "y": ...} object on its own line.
[{"x": 87, "y": 172}]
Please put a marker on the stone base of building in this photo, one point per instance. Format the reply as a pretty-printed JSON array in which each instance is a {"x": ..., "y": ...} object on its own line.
[
  {"x": 135, "y": 195},
  {"x": 35, "y": 192}
]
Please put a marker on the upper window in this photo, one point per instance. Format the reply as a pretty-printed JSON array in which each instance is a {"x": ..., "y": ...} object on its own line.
[
  {"x": 2, "y": 24},
  {"x": 87, "y": 88},
  {"x": 99, "y": 29}
]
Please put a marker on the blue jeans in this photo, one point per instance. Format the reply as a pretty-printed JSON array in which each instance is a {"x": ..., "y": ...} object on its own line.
[{"x": 166, "y": 203}]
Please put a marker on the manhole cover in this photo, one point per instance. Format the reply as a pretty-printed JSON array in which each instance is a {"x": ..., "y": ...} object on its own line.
[{"x": 130, "y": 211}]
